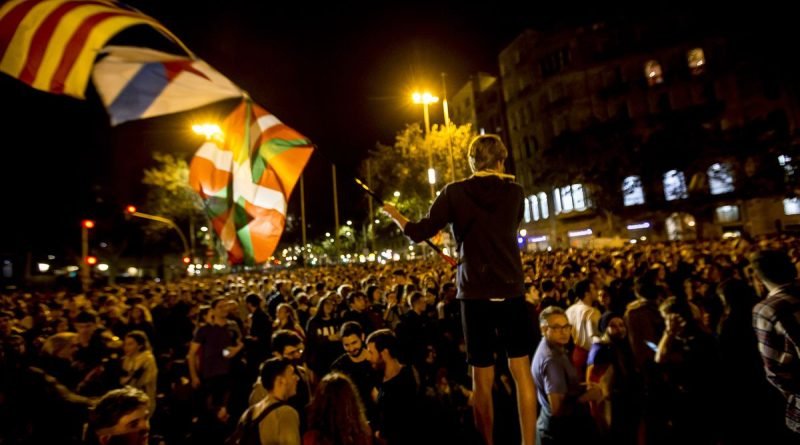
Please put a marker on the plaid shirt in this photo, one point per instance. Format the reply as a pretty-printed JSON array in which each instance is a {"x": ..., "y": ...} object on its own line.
[{"x": 776, "y": 321}]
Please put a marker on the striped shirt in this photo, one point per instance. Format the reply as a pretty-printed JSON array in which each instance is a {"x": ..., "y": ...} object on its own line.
[{"x": 776, "y": 321}]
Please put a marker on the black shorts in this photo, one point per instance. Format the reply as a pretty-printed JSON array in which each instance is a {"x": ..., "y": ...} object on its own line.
[{"x": 489, "y": 325}]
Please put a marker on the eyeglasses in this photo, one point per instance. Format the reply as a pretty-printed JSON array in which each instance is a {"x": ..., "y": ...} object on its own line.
[
  {"x": 294, "y": 352},
  {"x": 562, "y": 328}
]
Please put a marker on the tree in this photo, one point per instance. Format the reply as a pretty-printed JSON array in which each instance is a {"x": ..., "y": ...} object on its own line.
[
  {"x": 169, "y": 195},
  {"x": 403, "y": 166}
]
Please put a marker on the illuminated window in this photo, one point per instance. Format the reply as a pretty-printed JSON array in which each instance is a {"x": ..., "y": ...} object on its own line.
[
  {"x": 791, "y": 206},
  {"x": 652, "y": 70},
  {"x": 786, "y": 162},
  {"x": 720, "y": 178},
  {"x": 533, "y": 201},
  {"x": 527, "y": 211},
  {"x": 675, "y": 185},
  {"x": 697, "y": 60},
  {"x": 571, "y": 197},
  {"x": 543, "y": 203},
  {"x": 579, "y": 200},
  {"x": 632, "y": 191},
  {"x": 566, "y": 199},
  {"x": 727, "y": 214},
  {"x": 557, "y": 200}
]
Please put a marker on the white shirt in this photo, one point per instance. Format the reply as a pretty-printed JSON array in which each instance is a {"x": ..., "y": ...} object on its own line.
[{"x": 584, "y": 320}]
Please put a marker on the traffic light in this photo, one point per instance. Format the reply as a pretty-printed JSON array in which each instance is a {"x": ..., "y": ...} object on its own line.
[
  {"x": 187, "y": 260},
  {"x": 90, "y": 260},
  {"x": 87, "y": 224},
  {"x": 131, "y": 209}
]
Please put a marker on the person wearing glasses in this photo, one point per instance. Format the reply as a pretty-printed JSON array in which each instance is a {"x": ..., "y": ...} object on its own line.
[
  {"x": 564, "y": 416},
  {"x": 288, "y": 345}
]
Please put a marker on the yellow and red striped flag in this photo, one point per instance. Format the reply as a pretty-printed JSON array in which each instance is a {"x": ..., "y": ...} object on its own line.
[
  {"x": 51, "y": 45},
  {"x": 246, "y": 177}
]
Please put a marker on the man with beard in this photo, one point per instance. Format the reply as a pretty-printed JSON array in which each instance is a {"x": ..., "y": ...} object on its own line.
[
  {"x": 354, "y": 363},
  {"x": 121, "y": 416},
  {"x": 398, "y": 399}
]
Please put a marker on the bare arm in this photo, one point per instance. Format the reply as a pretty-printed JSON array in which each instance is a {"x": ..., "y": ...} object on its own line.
[
  {"x": 194, "y": 363},
  {"x": 556, "y": 403}
]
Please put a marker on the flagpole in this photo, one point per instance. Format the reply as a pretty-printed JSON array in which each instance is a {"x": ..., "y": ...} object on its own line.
[
  {"x": 371, "y": 221},
  {"x": 335, "y": 204},
  {"x": 303, "y": 210}
]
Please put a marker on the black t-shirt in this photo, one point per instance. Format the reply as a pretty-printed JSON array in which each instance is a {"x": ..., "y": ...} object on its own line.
[
  {"x": 399, "y": 408},
  {"x": 362, "y": 375},
  {"x": 213, "y": 340}
]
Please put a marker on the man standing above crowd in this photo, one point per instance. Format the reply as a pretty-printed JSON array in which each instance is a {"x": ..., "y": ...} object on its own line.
[{"x": 485, "y": 211}]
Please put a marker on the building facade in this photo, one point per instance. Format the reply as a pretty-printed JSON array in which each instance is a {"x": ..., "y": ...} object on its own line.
[{"x": 649, "y": 131}]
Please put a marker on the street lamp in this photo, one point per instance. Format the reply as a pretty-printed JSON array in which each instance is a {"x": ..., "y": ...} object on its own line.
[
  {"x": 210, "y": 131},
  {"x": 425, "y": 99},
  {"x": 86, "y": 224},
  {"x": 131, "y": 210}
]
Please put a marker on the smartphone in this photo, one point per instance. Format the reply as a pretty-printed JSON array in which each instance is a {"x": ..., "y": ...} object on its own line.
[
  {"x": 226, "y": 352},
  {"x": 651, "y": 345}
]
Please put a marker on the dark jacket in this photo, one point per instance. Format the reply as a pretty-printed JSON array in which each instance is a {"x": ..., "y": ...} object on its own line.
[{"x": 485, "y": 212}]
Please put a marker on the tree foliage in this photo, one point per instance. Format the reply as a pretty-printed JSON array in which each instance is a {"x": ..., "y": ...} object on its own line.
[
  {"x": 169, "y": 195},
  {"x": 403, "y": 166}
]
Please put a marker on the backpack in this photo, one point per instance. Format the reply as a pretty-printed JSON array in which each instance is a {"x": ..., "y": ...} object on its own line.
[{"x": 246, "y": 432}]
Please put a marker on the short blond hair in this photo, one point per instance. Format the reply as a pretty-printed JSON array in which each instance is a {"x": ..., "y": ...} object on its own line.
[{"x": 485, "y": 151}]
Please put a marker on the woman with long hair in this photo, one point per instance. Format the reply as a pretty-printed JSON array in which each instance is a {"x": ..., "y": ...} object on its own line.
[
  {"x": 323, "y": 345},
  {"x": 139, "y": 366},
  {"x": 337, "y": 414},
  {"x": 286, "y": 318},
  {"x": 139, "y": 319}
]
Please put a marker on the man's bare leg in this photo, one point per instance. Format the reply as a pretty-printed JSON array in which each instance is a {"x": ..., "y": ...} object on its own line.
[
  {"x": 483, "y": 405},
  {"x": 526, "y": 397}
]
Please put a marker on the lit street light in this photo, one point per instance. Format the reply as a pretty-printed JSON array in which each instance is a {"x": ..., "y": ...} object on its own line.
[
  {"x": 425, "y": 99},
  {"x": 431, "y": 176},
  {"x": 131, "y": 210},
  {"x": 210, "y": 131}
]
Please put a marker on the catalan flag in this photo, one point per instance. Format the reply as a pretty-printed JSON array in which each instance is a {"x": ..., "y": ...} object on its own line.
[
  {"x": 137, "y": 83},
  {"x": 51, "y": 45},
  {"x": 246, "y": 177}
]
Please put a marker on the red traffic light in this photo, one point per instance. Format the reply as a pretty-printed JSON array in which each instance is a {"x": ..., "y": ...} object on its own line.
[
  {"x": 87, "y": 224},
  {"x": 91, "y": 260},
  {"x": 130, "y": 209},
  {"x": 187, "y": 260}
]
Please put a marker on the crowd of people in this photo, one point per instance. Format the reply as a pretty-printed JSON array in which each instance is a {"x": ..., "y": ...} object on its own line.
[{"x": 651, "y": 343}]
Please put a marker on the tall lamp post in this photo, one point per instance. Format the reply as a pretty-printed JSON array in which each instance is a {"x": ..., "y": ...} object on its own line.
[
  {"x": 425, "y": 99},
  {"x": 86, "y": 262},
  {"x": 447, "y": 126},
  {"x": 131, "y": 210}
]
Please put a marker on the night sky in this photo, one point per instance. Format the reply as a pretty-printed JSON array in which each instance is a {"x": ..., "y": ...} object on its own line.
[{"x": 340, "y": 74}]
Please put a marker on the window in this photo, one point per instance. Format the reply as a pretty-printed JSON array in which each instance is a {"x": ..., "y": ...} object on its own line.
[
  {"x": 675, "y": 185},
  {"x": 543, "y": 203},
  {"x": 566, "y": 199},
  {"x": 652, "y": 70},
  {"x": 786, "y": 162},
  {"x": 569, "y": 198},
  {"x": 697, "y": 60},
  {"x": 527, "y": 211},
  {"x": 791, "y": 206},
  {"x": 720, "y": 178},
  {"x": 727, "y": 214},
  {"x": 632, "y": 191},
  {"x": 533, "y": 201},
  {"x": 579, "y": 197}
]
